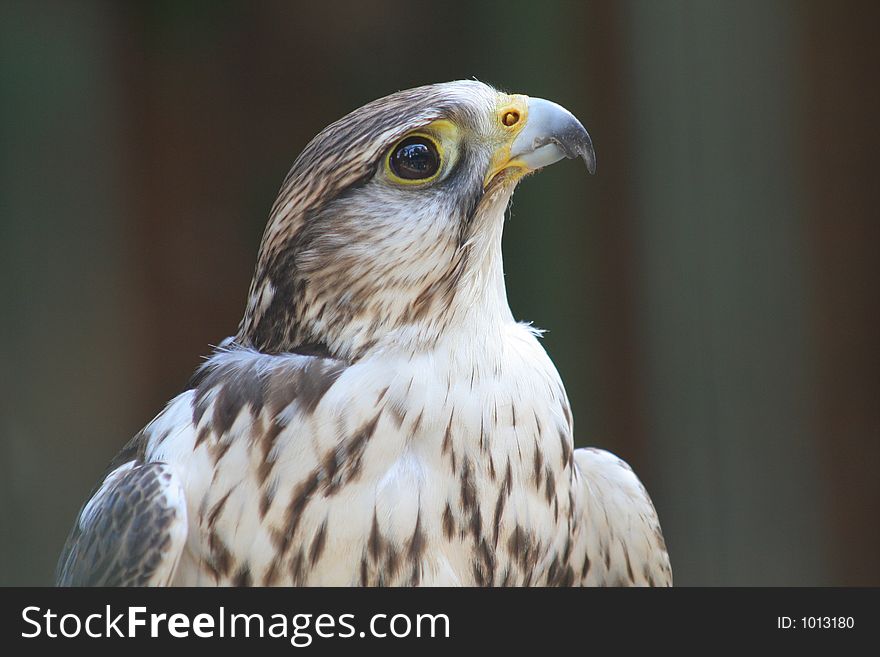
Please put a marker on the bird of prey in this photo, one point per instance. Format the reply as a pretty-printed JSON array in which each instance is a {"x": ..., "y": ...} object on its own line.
[{"x": 380, "y": 418}]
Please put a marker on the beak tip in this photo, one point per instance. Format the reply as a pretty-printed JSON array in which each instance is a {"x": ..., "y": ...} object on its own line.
[
  {"x": 576, "y": 142},
  {"x": 590, "y": 161},
  {"x": 585, "y": 151}
]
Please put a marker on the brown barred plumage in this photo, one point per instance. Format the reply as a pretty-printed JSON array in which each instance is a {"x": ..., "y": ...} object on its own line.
[{"x": 380, "y": 418}]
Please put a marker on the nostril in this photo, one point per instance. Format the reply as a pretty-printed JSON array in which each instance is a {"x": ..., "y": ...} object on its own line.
[{"x": 510, "y": 117}]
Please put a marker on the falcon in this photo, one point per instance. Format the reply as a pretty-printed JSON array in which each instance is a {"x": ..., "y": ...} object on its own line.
[{"x": 380, "y": 418}]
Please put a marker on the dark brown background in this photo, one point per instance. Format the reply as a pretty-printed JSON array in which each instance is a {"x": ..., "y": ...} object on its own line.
[{"x": 711, "y": 295}]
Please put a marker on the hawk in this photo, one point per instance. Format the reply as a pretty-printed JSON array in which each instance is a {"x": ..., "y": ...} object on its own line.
[{"x": 380, "y": 418}]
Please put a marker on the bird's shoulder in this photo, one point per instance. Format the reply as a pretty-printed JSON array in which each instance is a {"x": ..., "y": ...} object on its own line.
[
  {"x": 619, "y": 540},
  {"x": 243, "y": 409},
  {"x": 132, "y": 529}
]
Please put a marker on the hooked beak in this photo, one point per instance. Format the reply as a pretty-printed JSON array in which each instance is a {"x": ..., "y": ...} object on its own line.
[{"x": 550, "y": 134}]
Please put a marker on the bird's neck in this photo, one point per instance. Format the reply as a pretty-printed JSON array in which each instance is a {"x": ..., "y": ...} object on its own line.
[
  {"x": 477, "y": 305},
  {"x": 478, "y": 311},
  {"x": 445, "y": 286}
]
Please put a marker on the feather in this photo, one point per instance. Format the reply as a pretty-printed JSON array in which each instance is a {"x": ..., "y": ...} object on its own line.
[{"x": 379, "y": 418}]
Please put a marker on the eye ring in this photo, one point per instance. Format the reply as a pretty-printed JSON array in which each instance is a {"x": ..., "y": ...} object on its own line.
[{"x": 414, "y": 159}]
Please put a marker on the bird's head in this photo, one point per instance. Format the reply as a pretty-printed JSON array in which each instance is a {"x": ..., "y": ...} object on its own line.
[{"x": 388, "y": 226}]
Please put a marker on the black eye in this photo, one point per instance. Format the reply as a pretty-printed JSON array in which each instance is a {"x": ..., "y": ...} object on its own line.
[{"x": 415, "y": 158}]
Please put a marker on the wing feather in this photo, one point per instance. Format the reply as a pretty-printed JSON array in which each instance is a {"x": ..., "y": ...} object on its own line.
[
  {"x": 130, "y": 533},
  {"x": 619, "y": 541}
]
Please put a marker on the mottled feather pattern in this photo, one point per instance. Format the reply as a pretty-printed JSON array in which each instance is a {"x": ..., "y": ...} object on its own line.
[
  {"x": 340, "y": 462},
  {"x": 140, "y": 505},
  {"x": 379, "y": 418}
]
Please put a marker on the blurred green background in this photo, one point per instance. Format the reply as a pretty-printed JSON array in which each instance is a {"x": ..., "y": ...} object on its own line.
[{"x": 711, "y": 295}]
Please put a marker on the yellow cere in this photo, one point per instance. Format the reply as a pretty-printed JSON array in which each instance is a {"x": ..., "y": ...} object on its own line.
[{"x": 512, "y": 115}]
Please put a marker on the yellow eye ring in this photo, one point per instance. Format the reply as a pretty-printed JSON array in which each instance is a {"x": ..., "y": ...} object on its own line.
[{"x": 416, "y": 159}]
